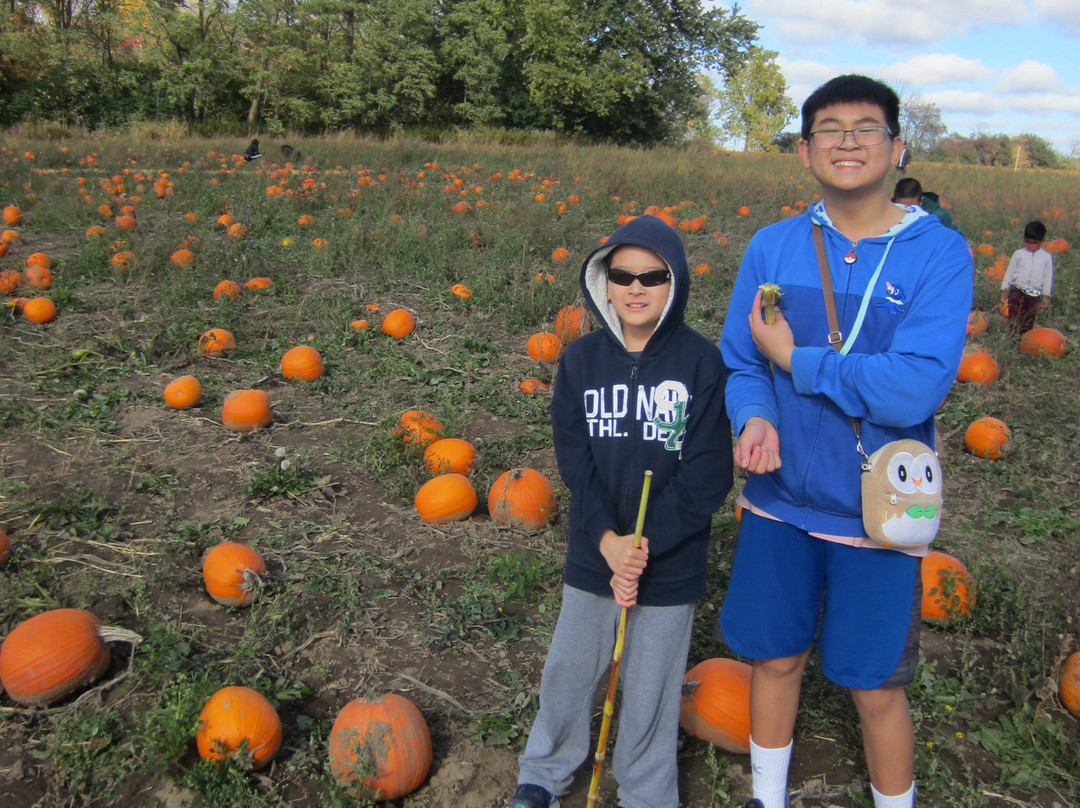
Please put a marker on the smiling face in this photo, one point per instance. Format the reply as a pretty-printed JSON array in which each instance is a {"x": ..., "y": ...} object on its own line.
[
  {"x": 638, "y": 307},
  {"x": 849, "y": 167}
]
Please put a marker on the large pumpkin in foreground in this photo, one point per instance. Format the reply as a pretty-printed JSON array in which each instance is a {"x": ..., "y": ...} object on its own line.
[
  {"x": 716, "y": 704},
  {"x": 380, "y": 748},
  {"x": 948, "y": 589},
  {"x": 1069, "y": 683},
  {"x": 446, "y": 498},
  {"x": 236, "y": 717},
  {"x": 522, "y": 498},
  {"x": 1042, "y": 342},
  {"x": 53, "y": 654}
]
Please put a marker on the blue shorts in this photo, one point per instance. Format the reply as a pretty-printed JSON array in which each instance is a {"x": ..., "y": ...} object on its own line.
[{"x": 861, "y": 605}]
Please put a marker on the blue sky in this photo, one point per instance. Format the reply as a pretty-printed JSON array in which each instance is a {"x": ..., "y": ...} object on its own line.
[{"x": 1010, "y": 66}]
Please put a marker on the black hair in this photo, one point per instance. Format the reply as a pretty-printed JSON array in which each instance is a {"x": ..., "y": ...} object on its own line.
[
  {"x": 1035, "y": 230},
  {"x": 907, "y": 188},
  {"x": 852, "y": 89}
]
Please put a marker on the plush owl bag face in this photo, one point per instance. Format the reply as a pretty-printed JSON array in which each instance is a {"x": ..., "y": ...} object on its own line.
[{"x": 901, "y": 494}]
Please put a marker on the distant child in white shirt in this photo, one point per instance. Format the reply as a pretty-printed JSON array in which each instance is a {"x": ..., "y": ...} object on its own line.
[{"x": 1028, "y": 281}]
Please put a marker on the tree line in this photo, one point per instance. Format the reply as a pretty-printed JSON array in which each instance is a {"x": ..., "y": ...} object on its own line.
[{"x": 626, "y": 71}]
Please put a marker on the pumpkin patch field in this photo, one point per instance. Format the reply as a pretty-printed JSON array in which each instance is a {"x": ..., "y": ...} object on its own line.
[{"x": 277, "y": 470}]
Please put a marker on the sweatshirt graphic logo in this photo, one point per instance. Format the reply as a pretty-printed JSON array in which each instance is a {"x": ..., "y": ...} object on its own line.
[
  {"x": 894, "y": 299},
  {"x": 660, "y": 412}
]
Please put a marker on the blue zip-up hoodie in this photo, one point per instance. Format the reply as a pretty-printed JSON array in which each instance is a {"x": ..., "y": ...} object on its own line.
[
  {"x": 616, "y": 414},
  {"x": 896, "y": 373}
]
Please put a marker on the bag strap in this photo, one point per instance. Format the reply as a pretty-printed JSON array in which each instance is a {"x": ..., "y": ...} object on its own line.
[{"x": 836, "y": 339}]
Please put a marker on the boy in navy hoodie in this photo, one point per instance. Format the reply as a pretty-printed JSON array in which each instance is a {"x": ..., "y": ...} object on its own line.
[
  {"x": 805, "y": 573},
  {"x": 645, "y": 391}
]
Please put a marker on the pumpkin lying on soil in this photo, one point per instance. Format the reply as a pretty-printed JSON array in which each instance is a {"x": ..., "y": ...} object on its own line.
[
  {"x": 236, "y": 717},
  {"x": 53, "y": 654},
  {"x": 948, "y": 589},
  {"x": 716, "y": 704},
  {"x": 380, "y": 749}
]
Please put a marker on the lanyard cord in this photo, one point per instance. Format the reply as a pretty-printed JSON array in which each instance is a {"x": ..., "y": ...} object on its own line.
[{"x": 857, "y": 325}]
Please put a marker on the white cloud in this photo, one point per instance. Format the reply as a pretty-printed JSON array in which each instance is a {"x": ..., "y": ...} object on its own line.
[
  {"x": 1062, "y": 12},
  {"x": 935, "y": 69},
  {"x": 883, "y": 22},
  {"x": 1027, "y": 77}
]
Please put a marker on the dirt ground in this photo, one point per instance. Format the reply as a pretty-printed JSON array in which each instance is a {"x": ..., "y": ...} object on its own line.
[{"x": 388, "y": 646}]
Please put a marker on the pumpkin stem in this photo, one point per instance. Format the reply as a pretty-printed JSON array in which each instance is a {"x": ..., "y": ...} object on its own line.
[
  {"x": 118, "y": 634},
  {"x": 252, "y": 580}
]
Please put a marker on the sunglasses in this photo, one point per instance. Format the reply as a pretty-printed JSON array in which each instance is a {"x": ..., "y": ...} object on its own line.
[{"x": 654, "y": 277}]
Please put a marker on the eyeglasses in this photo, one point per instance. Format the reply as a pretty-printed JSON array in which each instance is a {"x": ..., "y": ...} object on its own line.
[
  {"x": 654, "y": 277},
  {"x": 863, "y": 136}
]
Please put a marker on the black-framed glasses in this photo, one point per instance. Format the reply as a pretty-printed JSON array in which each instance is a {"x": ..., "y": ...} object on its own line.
[
  {"x": 654, "y": 277},
  {"x": 863, "y": 136}
]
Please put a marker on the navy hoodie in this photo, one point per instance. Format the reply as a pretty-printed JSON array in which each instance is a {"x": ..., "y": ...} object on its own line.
[{"x": 616, "y": 414}]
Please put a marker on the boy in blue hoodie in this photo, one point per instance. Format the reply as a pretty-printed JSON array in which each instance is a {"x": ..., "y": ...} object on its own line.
[
  {"x": 805, "y": 573},
  {"x": 645, "y": 391}
]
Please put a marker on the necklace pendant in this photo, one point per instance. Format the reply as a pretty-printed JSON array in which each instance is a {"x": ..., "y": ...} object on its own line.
[{"x": 850, "y": 258}]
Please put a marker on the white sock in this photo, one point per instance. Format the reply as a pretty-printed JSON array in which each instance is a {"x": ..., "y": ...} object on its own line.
[
  {"x": 905, "y": 800},
  {"x": 770, "y": 770}
]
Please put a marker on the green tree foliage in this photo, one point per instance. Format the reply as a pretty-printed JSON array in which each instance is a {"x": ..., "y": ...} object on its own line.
[
  {"x": 753, "y": 106},
  {"x": 623, "y": 70}
]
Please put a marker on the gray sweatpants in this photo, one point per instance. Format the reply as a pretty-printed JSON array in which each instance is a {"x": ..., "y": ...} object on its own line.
[{"x": 653, "y": 665}]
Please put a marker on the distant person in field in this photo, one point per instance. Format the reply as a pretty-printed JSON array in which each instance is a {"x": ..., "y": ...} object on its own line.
[
  {"x": 252, "y": 151},
  {"x": 909, "y": 191},
  {"x": 903, "y": 162},
  {"x": 1029, "y": 280}
]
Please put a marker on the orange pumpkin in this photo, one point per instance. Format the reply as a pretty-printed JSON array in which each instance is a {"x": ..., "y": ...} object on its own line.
[
  {"x": 1042, "y": 342},
  {"x": 743, "y": 211},
  {"x": 125, "y": 222},
  {"x": 236, "y": 717},
  {"x": 183, "y": 392},
  {"x": 418, "y": 426},
  {"x": 1069, "y": 683},
  {"x": 359, "y": 325},
  {"x": 446, "y": 498},
  {"x": 461, "y": 290},
  {"x": 976, "y": 324},
  {"x": 224, "y": 221},
  {"x": 39, "y": 310},
  {"x": 38, "y": 276},
  {"x": 258, "y": 284},
  {"x": 39, "y": 259},
  {"x": 237, "y": 231},
  {"x": 985, "y": 250},
  {"x": 123, "y": 260},
  {"x": 53, "y": 654},
  {"x": 522, "y": 497},
  {"x": 380, "y": 749},
  {"x": 531, "y": 386},
  {"x": 988, "y": 437},
  {"x": 398, "y": 323},
  {"x": 544, "y": 347},
  {"x": 302, "y": 362},
  {"x": 216, "y": 341},
  {"x": 12, "y": 216},
  {"x": 182, "y": 258},
  {"x": 232, "y": 573},
  {"x": 560, "y": 254},
  {"x": 978, "y": 367},
  {"x": 948, "y": 589},
  {"x": 716, "y": 704},
  {"x": 10, "y": 281},
  {"x": 450, "y": 455},
  {"x": 230, "y": 289},
  {"x": 245, "y": 410},
  {"x": 569, "y": 323}
]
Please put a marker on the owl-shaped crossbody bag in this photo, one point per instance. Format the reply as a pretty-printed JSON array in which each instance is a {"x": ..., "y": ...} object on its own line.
[{"x": 901, "y": 481}]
